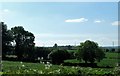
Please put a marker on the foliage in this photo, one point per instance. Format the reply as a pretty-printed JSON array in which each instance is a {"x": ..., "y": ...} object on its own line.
[
  {"x": 55, "y": 47},
  {"x": 41, "y": 52},
  {"x": 24, "y": 41},
  {"x": 99, "y": 54},
  {"x": 6, "y": 39},
  {"x": 69, "y": 47},
  {"x": 58, "y": 56},
  {"x": 72, "y": 55},
  {"x": 89, "y": 51},
  {"x": 112, "y": 50},
  {"x": 107, "y": 50}
]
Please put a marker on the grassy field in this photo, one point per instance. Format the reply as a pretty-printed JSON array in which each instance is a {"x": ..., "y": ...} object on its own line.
[
  {"x": 10, "y": 67},
  {"x": 112, "y": 59},
  {"x": 111, "y": 55}
]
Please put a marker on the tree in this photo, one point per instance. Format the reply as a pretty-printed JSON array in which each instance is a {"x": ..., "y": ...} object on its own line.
[
  {"x": 99, "y": 54},
  {"x": 107, "y": 50},
  {"x": 28, "y": 45},
  {"x": 69, "y": 47},
  {"x": 55, "y": 47},
  {"x": 112, "y": 50},
  {"x": 88, "y": 51},
  {"x": 58, "y": 56},
  {"x": 7, "y": 38},
  {"x": 24, "y": 41}
]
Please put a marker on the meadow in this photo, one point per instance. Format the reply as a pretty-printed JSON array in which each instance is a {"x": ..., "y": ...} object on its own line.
[{"x": 11, "y": 68}]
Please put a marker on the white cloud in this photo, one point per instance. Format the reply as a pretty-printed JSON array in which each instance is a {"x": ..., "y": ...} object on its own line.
[
  {"x": 4, "y": 13},
  {"x": 116, "y": 23},
  {"x": 6, "y": 10},
  {"x": 77, "y": 20},
  {"x": 97, "y": 21},
  {"x": 18, "y": 25}
]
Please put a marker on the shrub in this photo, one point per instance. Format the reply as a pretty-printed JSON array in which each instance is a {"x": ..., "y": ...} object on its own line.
[{"x": 58, "y": 56}]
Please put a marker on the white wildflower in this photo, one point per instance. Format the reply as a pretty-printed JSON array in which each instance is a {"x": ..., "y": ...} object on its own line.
[
  {"x": 34, "y": 70},
  {"x": 46, "y": 68},
  {"x": 27, "y": 71},
  {"x": 42, "y": 58},
  {"x": 50, "y": 65},
  {"x": 21, "y": 62},
  {"x": 41, "y": 72},
  {"x": 73, "y": 67},
  {"x": 40, "y": 61},
  {"x": 50, "y": 72},
  {"x": 43, "y": 62},
  {"x": 48, "y": 62},
  {"x": 58, "y": 71},
  {"x": 23, "y": 65},
  {"x": 38, "y": 58}
]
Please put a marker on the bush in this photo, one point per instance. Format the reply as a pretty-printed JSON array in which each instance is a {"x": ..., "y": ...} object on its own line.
[
  {"x": 41, "y": 52},
  {"x": 58, "y": 56}
]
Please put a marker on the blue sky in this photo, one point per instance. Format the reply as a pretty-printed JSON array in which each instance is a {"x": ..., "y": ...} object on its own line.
[{"x": 64, "y": 23}]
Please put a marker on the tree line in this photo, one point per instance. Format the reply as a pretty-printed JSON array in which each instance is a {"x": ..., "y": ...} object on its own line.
[{"x": 17, "y": 41}]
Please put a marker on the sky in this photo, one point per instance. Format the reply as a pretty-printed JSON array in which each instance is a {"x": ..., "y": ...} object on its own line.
[
  {"x": 64, "y": 23},
  {"x": 59, "y": 0}
]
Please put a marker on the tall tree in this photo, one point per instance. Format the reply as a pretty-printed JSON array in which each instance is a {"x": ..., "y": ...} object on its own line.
[
  {"x": 88, "y": 51},
  {"x": 24, "y": 41},
  {"x": 7, "y": 38}
]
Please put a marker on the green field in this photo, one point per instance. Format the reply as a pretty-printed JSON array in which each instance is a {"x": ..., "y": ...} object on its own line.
[
  {"x": 10, "y": 67},
  {"x": 112, "y": 59},
  {"x": 13, "y": 65}
]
